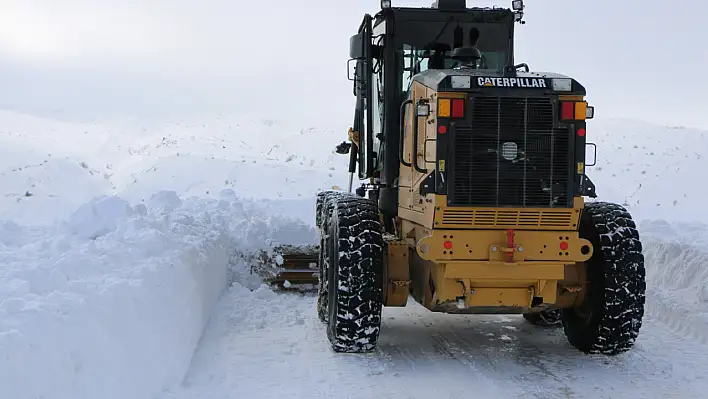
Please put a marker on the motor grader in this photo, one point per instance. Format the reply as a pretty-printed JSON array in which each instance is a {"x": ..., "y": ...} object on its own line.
[{"x": 474, "y": 185}]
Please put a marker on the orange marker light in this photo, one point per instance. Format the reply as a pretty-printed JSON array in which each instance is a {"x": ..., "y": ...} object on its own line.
[
  {"x": 444, "y": 108},
  {"x": 581, "y": 110}
]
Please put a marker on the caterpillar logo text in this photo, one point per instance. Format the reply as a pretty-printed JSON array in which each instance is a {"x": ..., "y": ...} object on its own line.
[{"x": 538, "y": 83}]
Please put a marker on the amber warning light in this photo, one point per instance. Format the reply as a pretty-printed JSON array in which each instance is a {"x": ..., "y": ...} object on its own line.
[
  {"x": 451, "y": 108},
  {"x": 576, "y": 111}
]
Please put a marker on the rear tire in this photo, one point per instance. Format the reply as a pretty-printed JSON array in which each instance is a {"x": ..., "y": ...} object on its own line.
[
  {"x": 355, "y": 275},
  {"x": 610, "y": 317},
  {"x": 546, "y": 318}
]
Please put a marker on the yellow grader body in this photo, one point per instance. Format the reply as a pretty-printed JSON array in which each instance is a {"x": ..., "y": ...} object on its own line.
[
  {"x": 474, "y": 200},
  {"x": 504, "y": 270}
]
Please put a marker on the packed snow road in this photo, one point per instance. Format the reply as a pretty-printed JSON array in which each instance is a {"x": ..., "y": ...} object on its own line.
[{"x": 261, "y": 345}]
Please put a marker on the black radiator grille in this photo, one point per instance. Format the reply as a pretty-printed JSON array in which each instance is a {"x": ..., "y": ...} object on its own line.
[{"x": 540, "y": 173}]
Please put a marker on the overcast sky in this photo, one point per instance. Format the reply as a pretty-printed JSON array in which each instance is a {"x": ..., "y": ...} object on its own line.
[{"x": 638, "y": 59}]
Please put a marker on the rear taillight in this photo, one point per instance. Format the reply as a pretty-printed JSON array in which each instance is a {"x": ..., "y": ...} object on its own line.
[
  {"x": 567, "y": 111},
  {"x": 575, "y": 111},
  {"x": 458, "y": 108},
  {"x": 451, "y": 108}
]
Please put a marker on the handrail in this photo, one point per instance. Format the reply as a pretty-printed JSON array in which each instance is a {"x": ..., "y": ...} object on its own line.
[
  {"x": 402, "y": 131},
  {"x": 415, "y": 144}
]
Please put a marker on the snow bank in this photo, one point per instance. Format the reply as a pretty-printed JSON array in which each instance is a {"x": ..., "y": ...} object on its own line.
[
  {"x": 112, "y": 302},
  {"x": 677, "y": 276}
]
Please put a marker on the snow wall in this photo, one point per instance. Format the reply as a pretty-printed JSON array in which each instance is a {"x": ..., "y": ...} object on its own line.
[
  {"x": 677, "y": 276},
  {"x": 112, "y": 303}
]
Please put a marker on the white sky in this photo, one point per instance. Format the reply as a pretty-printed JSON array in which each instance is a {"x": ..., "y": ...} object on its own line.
[{"x": 638, "y": 59}]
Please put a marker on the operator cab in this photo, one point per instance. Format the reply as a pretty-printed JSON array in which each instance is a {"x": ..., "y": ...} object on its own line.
[
  {"x": 427, "y": 39},
  {"x": 398, "y": 44}
]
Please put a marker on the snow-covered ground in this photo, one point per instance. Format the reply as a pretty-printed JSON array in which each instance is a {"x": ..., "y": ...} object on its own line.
[{"x": 121, "y": 273}]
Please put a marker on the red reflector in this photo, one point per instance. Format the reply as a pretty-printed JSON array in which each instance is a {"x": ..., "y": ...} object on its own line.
[
  {"x": 458, "y": 108},
  {"x": 581, "y": 132},
  {"x": 442, "y": 129},
  {"x": 568, "y": 111},
  {"x": 448, "y": 244},
  {"x": 564, "y": 246}
]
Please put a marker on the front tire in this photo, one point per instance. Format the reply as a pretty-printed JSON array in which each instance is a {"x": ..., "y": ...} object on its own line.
[
  {"x": 610, "y": 317},
  {"x": 355, "y": 275},
  {"x": 326, "y": 200}
]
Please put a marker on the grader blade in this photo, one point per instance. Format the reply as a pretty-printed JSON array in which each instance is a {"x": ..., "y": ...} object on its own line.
[{"x": 290, "y": 267}]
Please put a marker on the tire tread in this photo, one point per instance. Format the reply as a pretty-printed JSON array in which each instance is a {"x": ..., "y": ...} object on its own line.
[{"x": 620, "y": 298}]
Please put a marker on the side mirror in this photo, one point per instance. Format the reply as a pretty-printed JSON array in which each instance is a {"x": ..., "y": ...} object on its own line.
[
  {"x": 343, "y": 148},
  {"x": 356, "y": 46}
]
